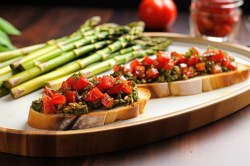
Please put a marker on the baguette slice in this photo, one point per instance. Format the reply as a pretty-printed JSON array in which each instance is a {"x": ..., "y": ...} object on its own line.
[
  {"x": 157, "y": 90},
  {"x": 198, "y": 84},
  {"x": 92, "y": 119},
  {"x": 216, "y": 81}
]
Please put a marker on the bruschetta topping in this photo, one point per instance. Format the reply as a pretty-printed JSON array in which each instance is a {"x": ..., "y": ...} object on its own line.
[
  {"x": 79, "y": 95},
  {"x": 177, "y": 66}
]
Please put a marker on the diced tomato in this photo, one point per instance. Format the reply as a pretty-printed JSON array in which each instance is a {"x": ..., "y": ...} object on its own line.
[
  {"x": 49, "y": 92},
  {"x": 139, "y": 71},
  {"x": 114, "y": 90},
  {"x": 107, "y": 101},
  {"x": 65, "y": 87},
  {"x": 226, "y": 62},
  {"x": 71, "y": 96},
  {"x": 93, "y": 95},
  {"x": 72, "y": 80},
  {"x": 81, "y": 83},
  {"x": 189, "y": 72},
  {"x": 157, "y": 65},
  {"x": 147, "y": 61},
  {"x": 163, "y": 57},
  {"x": 117, "y": 68},
  {"x": 216, "y": 69},
  {"x": 126, "y": 88},
  {"x": 106, "y": 82},
  {"x": 194, "y": 51},
  {"x": 178, "y": 58},
  {"x": 48, "y": 106},
  {"x": 200, "y": 66},
  {"x": 169, "y": 65},
  {"x": 192, "y": 60},
  {"x": 152, "y": 73},
  {"x": 232, "y": 66},
  {"x": 134, "y": 63},
  {"x": 218, "y": 56},
  {"x": 58, "y": 98}
]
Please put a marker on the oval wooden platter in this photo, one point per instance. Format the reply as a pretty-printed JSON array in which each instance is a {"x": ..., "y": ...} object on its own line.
[{"x": 163, "y": 117}]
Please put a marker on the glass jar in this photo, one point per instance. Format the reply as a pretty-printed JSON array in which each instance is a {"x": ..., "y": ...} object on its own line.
[{"x": 216, "y": 20}]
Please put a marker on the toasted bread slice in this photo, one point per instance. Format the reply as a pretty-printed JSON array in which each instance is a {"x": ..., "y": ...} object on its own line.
[
  {"x": 198, "y": 84},
  {"x": 92, "y": 119},
  {"x": 157, "y": 90},
  {"x": 216, "y": 81}
]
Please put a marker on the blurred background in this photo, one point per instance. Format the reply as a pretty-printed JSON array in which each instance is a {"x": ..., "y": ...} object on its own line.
[
  {"x": 182, "y": 5},
  {"x": 39, "y": 13}
]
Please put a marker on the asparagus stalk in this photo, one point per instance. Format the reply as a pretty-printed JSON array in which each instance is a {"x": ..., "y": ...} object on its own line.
[
  {"x": 3, "y": 91},
  {"x": 38, "y": 82},
  {"x": 8, "y": 62},
  {"x": 45, "y": 67},
  {"x": 5, "y": 70},
  {"x": 44, "y": 50},
  {"x": 52, "y": 64},
  {"x": 58, "y": 51},
  {"x": 19, "y": 52},
  {"x": 104, "y": 31},
  {"x": 112, "y": 62}
]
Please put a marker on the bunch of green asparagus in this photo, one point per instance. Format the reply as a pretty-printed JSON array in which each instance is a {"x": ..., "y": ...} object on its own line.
[{"x": 92, "y": 49}]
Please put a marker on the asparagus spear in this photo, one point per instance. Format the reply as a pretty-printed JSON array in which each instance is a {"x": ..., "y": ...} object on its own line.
[
  {"x": 104, "y": 31},
  {"x": 65, "y": 58},
  {"x": 52, "y": 64},
  {"x": 112, "y": 62},
  {"x": 36, "y": 83},
  {"x": 19, "y": 52}
]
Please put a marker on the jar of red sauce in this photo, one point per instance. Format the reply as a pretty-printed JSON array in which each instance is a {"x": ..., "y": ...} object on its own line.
[{"x": 216, "y": 20}]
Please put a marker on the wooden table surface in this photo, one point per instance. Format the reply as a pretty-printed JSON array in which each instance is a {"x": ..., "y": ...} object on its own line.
[{"x": 225, "y": 142}]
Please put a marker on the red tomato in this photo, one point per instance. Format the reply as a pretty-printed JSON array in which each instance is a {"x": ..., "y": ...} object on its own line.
[
  {"x": 49, "y": 92},
  {"x": 228, "y": 64},
  {"x": 152, "y": 73},
  {"x": 222, "y": 30},
  {"x": 163, "y": 57},
  {"x": 147, "y": 61},
  {"x": 139, "y": 72},
  {"x": 116, "y": 68},
  {"x": 157, "y": 14},
  {"x": 115, "y": 89},
  {"x": 126, "y": 87},
  {"x": 107, "y": 101},
  {"x": 71, "y": 96},
  {"x": 48, "y": 106},
  {"x": 134, "y": 63},
  {"x": 192, "y": 60},
  {"x": 93, "y": 95},
  {"x": 200, "y": 66},
  {"x": 189, "y": 72},
  {"x": 105, "y": 83},
  {"x": 169, "y": 65},
  {"x": 71, "y": 81},
  {"x": 215, "y": 17},
  {"x": 218, "y": 56},
  {"x": 81, "y": 83},
  {"x": 58, "y": 99},
  {"x": 216, "y": 69},
  {"x": 65, "y": 87},
  {"x": 178, "y": 58},
  {"x": 232, "y": 66}
]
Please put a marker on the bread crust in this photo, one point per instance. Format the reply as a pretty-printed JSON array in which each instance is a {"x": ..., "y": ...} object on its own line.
[
  {"x": 96, "y": 118},
  {"x": 198, "y": 84}
]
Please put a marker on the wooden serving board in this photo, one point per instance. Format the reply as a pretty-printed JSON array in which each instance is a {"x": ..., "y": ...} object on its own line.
[{"x": 163, "y": 118}]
